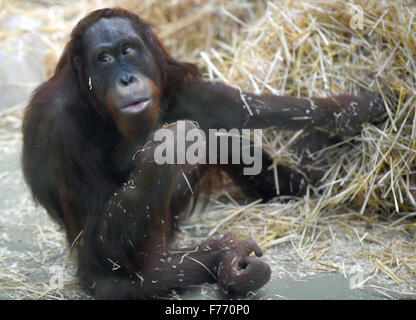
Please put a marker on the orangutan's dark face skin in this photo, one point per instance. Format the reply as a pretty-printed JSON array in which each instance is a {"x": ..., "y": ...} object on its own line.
[{"x": 121, "y": 73}]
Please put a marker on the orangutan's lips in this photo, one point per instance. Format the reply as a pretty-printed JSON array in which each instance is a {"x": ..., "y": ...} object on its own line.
[{"x": 136, "y": 106}]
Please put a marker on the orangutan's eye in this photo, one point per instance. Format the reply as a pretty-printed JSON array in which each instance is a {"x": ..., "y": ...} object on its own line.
[
  {"x": 104, "y": 58},
  {"x": 126, "y": 50}
]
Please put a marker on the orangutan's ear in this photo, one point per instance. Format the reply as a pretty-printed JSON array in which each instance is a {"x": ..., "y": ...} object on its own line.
[{"x": 77, "y": 62}]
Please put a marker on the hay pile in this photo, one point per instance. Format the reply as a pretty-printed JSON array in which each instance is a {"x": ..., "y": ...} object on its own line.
[{"x": 365, "y": 215}]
